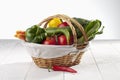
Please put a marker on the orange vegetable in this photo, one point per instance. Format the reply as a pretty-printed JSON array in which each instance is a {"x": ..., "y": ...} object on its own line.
[{"x": 20, "y": 34}]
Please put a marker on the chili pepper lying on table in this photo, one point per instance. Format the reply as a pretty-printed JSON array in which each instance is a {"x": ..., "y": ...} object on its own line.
[{"x": 63, "y": 68}]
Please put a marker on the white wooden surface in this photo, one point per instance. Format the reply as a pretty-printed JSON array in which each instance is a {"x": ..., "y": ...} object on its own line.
[{"x": 100, "y": 62}]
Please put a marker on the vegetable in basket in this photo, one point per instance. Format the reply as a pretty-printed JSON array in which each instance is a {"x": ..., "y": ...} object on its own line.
[
  {"x": 54, "y": 22},
  {"x": 36, "y": 34},
  {"x": 63, "y": 24},
  {"x": 91, "y": 28},
  {"x": 54, "y": 31},
  {"x": 50, "y": 41},
  {"x": 20, "y": 34},
  {"x": 61, "y": 40}
]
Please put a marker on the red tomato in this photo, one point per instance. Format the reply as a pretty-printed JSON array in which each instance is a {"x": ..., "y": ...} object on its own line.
[
  {"x": 62, "y": 40},
  {"x": 49, "y": 41},
  {"x": 63, "y": 24}
]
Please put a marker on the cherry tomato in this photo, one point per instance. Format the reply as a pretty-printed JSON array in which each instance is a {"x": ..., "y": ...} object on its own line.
[
  {"x": 63, "y": 24},
  {"x": 50, "y": 41}
]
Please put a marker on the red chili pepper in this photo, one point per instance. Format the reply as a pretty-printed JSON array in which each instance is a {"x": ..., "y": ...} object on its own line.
[{"x": 63, "y": 68}]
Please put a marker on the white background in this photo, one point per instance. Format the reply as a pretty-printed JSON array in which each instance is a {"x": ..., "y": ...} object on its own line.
[{"x": 21, "y": 14}]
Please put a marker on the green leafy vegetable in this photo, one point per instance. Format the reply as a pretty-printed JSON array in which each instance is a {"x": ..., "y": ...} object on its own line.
[{"x": 92, "y": 29}]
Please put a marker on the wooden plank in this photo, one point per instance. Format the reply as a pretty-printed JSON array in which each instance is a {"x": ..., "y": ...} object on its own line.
[
  {"x": 100, "y": 62},
  {"x": 6, "y": 46},
  {"x": 116, "y": 45},
  {"x": 17, "y": 62},
  {"x": 31, "y": 71},
  {"x": 87, "y": 69},
  {"x": 14, "y": 71},
  {"x": 18, "y": 54},
  {"x": 107, "y": 59}
]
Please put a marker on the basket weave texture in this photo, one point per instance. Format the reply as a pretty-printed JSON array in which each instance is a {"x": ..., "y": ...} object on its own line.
[{"x": 70, "y": 59}]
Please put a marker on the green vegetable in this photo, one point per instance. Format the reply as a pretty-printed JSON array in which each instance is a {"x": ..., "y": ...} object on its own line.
[
  {"x": 92, "y": 29},
  {"x": 83, "y": 22},
  {"x": 35, "y": 34}
]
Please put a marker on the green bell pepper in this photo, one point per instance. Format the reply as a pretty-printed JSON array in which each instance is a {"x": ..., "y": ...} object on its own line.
[{"x": 35, "y": 34}]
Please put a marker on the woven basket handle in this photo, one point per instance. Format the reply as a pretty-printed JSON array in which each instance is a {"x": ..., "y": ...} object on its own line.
[{"x": 69, "y": 22}]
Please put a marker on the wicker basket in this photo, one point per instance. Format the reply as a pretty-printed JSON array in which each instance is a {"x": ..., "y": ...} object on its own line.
[{"x": 70, "y": 59}]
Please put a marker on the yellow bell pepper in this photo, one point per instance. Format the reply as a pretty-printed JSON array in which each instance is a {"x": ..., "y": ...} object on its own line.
[{"x": 54, "y": 23}]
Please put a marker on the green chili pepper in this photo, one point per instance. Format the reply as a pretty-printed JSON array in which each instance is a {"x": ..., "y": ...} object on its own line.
[{"x": 53, "y": 31}]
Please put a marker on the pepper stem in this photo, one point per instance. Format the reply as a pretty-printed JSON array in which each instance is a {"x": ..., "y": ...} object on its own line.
[{"x": 49, "y": 68}]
